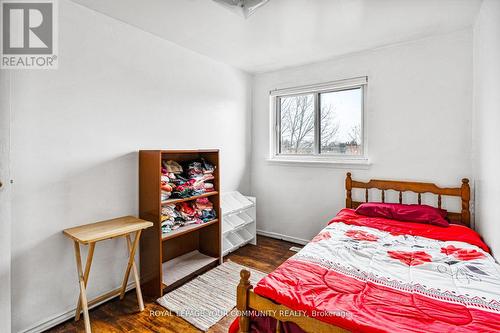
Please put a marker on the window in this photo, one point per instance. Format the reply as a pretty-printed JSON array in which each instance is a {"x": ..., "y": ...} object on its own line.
[{"x": 322, "y": 122}]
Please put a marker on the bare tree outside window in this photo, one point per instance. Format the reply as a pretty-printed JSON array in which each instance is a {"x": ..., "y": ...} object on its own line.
[
  {"x": 339, "y": 123},
  {"x": 346, "y": 118},
  {"x": 355, "y": 135},
  {"x": 297, "y": 124},
  {"x": 329, "y": 125}
]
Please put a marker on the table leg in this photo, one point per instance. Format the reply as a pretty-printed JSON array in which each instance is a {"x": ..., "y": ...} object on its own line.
[
  {"x": 136, "y": 277},
  {"x": 83, "y": 294},
  {"x": 88, "y": 263},
  {"x": 130, "y": 263}
]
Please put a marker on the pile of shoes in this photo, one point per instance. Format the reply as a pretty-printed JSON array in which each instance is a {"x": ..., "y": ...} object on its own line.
[
  {"x": 177, "y": 182},
  {"x": 178, "y": 215},
  {"x": 204, "y": 209},
  {"x": 196, "y": 180},
  {"x": 200, "y": 174},
  {"x": 170, "y": 218},
  {"x": 171, "y": 174}
]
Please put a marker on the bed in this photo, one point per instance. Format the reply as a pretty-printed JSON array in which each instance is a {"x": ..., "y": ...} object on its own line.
[{"x": 374, "y": 274}]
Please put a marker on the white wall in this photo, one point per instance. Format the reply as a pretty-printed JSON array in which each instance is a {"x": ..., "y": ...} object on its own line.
[
  {"x": 75, "y": 136},
  {"x": 5, "y": 216},
  {"x": 487, "y": 122},
  {"x": 418, "y": 126}
]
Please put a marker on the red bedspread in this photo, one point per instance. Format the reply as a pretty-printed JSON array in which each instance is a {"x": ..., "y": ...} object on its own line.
[
  {"x": 454, "y": 232},
  {"x": 377, "y": 275}
]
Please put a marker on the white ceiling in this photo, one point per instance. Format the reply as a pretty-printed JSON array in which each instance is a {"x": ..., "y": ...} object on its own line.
[{"x": 286, "y": 33}]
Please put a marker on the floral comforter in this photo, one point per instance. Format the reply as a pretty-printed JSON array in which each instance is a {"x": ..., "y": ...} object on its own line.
[{"x": 377, "y": 275}]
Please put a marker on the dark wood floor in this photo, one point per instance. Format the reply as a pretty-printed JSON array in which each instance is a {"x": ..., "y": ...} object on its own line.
[{"x": 123, "y": 316}]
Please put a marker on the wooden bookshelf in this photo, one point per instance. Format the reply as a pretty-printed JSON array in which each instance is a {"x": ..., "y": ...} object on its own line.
[{"x": 169, "y": 260}]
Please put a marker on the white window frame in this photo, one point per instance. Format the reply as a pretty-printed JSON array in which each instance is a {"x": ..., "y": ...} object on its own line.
[{"x": 316, "y": 158}]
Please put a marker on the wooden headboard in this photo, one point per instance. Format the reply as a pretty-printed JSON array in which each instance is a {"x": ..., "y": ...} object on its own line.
[{"x": 463, "y": 192}]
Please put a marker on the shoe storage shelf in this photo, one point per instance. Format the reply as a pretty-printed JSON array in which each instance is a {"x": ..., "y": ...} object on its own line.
[
  {"x": 238, "y": 221},
  {"x": 171, "y": 259}
]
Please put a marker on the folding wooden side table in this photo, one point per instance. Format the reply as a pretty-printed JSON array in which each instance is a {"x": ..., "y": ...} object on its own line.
[{"x": 89, "y": 234}]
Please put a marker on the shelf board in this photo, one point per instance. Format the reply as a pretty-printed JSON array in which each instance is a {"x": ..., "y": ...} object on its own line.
[
  {"x": 241, "y": 226},
  {"x": 189, "y": 228},
  {"x": 235, "y": 247},
  {"x": 238, "y": 210},
  {"x": 183, "y": 266},
  {"x": 204, "y": 195},
  {"x": 189, "y": 151}
]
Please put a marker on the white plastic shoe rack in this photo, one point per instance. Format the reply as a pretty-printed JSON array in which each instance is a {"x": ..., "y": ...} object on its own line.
[{"x": 238, "y": 221}]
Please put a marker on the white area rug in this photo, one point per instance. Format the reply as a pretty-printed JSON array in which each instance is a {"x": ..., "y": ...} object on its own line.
[{"x": 206, "y": 299}]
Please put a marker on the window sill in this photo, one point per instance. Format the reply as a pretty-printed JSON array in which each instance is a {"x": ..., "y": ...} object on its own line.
[{"x": 343, "y": 163}]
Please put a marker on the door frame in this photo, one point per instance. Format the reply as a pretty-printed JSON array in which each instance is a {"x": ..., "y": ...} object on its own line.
[{"x": 5, "y": 201}]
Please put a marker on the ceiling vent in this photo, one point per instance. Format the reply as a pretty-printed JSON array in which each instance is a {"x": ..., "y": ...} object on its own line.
[{"x": 244, "y": 8}]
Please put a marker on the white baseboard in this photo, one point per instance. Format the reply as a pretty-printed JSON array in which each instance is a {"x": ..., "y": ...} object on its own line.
[
  {"x": 283, "y": 237},
  {"x": 60, "y": 318}
]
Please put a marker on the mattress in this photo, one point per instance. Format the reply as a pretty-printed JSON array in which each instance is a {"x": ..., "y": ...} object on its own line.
[{"x": 378, "y": 275}]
